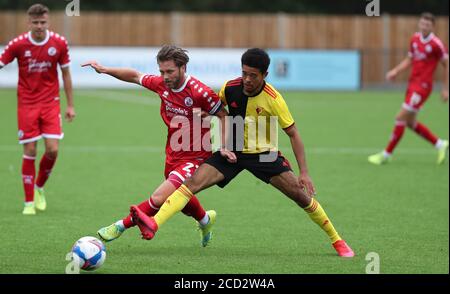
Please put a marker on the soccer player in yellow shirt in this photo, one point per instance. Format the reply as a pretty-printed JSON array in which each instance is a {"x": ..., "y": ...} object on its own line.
[{"x": 251, "y": 102}]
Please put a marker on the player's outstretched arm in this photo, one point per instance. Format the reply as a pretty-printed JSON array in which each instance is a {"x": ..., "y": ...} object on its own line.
[
  {"x": 444, "y": 92},
  {"x": 124, "y": 74},
  {"x": 299, "y": 152},
  {"x": 398, "y": 69}
]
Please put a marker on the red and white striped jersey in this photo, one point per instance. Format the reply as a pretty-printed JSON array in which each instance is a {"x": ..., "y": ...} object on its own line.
[{"x": 37, "y": 61}]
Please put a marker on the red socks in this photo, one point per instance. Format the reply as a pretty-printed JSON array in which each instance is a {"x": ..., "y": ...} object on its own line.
[
  {"x": 45, "y": 168},
  {"x": 419, "y": 128},
  {"x": 28, "y": 175},
  {"x": 147, "y": 207},
  {"x": 425, "y": 133},
  {"x": 193, "y": 208},
  {"x": 397, "y": 134}
]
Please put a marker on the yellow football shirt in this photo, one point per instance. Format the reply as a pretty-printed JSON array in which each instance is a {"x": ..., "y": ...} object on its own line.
[{"x": 255, "y": 118}]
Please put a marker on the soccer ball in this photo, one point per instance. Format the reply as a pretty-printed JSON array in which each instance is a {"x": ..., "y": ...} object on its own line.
[{"x": 89, "y": 253}]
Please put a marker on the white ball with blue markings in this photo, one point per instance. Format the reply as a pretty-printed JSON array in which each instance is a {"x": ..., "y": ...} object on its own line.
[{"x": 89, "y": 253}]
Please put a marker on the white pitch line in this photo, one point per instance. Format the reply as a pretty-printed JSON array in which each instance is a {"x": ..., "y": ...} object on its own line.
[
  {"x": 94, "y": 149},
  {"x": 161, "y": 149}
]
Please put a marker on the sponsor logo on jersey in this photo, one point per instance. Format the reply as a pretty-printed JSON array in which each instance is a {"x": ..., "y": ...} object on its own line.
[
  {"x": 417, "y": 55},
  {"x": 174, "y": 109},
  {"x": 38, "y": 66}
]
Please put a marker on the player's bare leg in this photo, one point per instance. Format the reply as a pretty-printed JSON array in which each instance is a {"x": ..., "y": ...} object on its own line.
[
  {"x": 200, "y": 184},
  {"x": 150, "y": 207},
  {"x": 28, "y": 175},
  {"x": 205, "y": 220},
  {"x": 403, "y": 118},
  {"x": 45, "y": 168},
  {"x": 205, "y": 176},
  {"x": 290, "y": 186},
  {"x": 421, "y": 130},
  {"x": 406, "y": 118}
]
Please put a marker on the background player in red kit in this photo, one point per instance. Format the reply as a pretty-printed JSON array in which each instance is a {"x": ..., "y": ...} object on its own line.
[
  {"x": 38, "y": 53},
  {"x": 180, "y": 94},
  {"x": 425, "y": 52}
]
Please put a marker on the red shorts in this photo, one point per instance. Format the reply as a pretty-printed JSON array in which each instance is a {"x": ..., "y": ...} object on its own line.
[
  {"x": 39, "y": 122},
  {"x": 416, "y": 97},
  {"x": 177, "y": 173}
]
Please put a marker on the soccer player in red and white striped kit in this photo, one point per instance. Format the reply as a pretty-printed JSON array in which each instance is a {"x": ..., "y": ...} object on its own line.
[
  {"x": 38, "y": 54},
  {"x": 426, "y": 51}
]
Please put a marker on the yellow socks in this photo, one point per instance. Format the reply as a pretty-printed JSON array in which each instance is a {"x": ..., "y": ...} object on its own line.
[
  {"x": 318, "y": 215},
  {"x": 178, "y": 200},
  {"x": 175, "y": 203}
]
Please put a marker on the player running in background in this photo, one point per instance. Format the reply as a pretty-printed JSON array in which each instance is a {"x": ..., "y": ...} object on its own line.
[
  {"x": 425, "y": 52},
  {"x": 180, "y": 94},
  {"x": 250, "y": 98},
  {"x": 38, "y": 53}
]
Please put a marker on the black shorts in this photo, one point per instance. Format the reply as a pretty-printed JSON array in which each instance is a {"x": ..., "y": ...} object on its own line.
[{"x": 261, "y": 169}]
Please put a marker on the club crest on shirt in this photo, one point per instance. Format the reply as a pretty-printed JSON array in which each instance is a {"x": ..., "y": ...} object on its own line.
[
  {"x": 428, "y": 48},
  {"x": 51, "y": 51},
  {"x": 27, "y": 53},
  {"x": 259, "y": 110},
  {"x": 188, "y": 101}
]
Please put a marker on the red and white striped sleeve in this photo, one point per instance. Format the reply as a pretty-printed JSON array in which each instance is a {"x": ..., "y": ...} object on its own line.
[
  {"x": 442, "y": 52},
  {"x": 9, "y": 54},
  {"x": 150, "y": 82},
  {"x": 64, "y": 59}
]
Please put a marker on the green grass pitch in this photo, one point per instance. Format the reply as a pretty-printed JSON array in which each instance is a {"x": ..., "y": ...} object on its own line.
[{"x": 113, "y": 156}]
